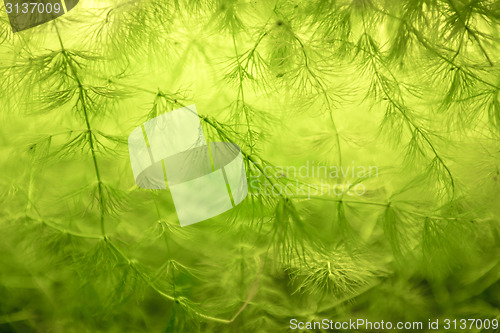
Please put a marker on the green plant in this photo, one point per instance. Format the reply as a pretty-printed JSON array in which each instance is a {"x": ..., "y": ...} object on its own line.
[{"x": 410, "y": 87}]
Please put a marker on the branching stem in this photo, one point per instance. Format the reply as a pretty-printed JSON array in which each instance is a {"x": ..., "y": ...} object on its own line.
[{"x": 81, "y": 96}]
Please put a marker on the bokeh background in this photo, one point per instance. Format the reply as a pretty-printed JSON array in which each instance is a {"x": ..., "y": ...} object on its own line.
[{"x": 409, "y": 87}]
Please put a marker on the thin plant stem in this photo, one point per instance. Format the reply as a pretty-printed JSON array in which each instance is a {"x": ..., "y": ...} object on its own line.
[
  {"x": 242, "y": 94},
  {"x": 89, "y": 130}
]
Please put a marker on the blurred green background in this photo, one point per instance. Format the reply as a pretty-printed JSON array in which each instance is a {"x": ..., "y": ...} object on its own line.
[{"x": 410, "y": 88}]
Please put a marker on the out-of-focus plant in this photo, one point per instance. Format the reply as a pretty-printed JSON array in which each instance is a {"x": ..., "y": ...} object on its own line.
[{"x": 410, "y": 87}]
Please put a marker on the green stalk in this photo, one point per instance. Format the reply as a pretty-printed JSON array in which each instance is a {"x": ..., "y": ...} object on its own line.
[
  {"x": 242, "y": 94},
  {"x": 89, "y": 130},
  {"x": 470, "y": 31},
  {"x": 325, "y": 95},
  {"x": 428, "y": 46},
  {"x": 410, "y": 123}
]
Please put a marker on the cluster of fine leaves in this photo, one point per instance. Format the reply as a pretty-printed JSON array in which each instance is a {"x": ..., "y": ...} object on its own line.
[{"x": 410, "y": 87}]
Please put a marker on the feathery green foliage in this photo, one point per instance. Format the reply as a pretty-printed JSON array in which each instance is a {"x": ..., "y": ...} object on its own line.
[{"x": 410, "y": 87}]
